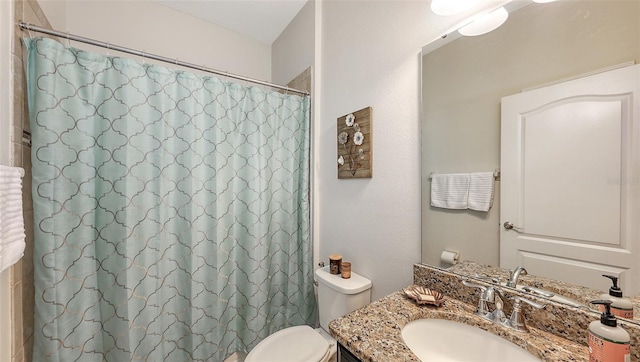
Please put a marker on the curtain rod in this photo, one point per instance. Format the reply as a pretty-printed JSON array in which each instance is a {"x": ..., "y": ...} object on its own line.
[{"x": 27, "y": 26}]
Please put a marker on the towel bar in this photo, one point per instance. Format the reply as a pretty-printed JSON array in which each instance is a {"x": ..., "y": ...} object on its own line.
[{"x": 496, "y": 174}]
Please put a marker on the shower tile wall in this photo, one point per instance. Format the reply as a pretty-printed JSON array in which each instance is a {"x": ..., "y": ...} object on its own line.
[
  {"x": 22, "y": 292},
  {"x": 302, "y": 81}
]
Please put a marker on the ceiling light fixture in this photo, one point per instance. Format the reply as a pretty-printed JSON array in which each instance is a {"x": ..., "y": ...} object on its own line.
[
  {"x": 485, "y": 23},
  {"x": 452, "y": 7},
  {"x": 543, "y": 1}
]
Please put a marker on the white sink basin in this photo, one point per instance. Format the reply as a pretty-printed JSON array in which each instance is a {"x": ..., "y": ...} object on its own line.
[{"x": 447, "y": 341}]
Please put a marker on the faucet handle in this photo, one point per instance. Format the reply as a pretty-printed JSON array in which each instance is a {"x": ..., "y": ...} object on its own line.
[
  {"x": 517, "y": 319},
  {"x": 534, "y": 291},
  {"x": 473, "y": 285},
  {"x": 517, "y": 299}
]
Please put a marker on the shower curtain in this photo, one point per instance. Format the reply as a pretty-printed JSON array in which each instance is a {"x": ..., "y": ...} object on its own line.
[{"x": 171, "y": 210}]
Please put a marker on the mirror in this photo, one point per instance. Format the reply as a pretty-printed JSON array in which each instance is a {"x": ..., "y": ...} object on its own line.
[{"x": 463, "y": 82}]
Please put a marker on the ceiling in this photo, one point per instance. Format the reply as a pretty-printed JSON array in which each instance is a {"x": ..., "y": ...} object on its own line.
[{"x": 262, "y": 20}]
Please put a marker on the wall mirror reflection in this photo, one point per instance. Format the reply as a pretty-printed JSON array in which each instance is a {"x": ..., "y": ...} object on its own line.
[{"x": 550, "y": 99}]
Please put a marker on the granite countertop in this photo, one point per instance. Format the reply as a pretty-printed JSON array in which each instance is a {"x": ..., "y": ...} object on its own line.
[{"x": 373, "y": 333}]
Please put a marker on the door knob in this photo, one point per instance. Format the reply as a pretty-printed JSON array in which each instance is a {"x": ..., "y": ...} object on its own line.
[{"x": 508, "y": 225}]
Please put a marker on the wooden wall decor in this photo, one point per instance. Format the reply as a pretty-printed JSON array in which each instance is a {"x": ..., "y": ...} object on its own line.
[{"x": 355, "y": 151}]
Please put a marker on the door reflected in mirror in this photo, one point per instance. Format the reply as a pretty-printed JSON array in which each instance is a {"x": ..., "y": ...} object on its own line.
[{"x": 463, "y": 85}]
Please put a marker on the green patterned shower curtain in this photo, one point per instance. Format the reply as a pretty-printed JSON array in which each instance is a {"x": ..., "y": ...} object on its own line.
[{"x": 171, "y": 210}]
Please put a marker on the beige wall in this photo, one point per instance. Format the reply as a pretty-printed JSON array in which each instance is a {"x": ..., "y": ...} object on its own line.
[
  {"x": 56, "y": 12},
  {"x": 293, "y": 51},
  {"x": 465, "y": 80},
  {"x": 148, "y": 26},
  {"x": 368, "y": 54},
  {"x": 370, "y": 57}
]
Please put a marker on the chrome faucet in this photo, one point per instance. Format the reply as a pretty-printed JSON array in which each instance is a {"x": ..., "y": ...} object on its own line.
[
  {"x": 493, "y": 295},
  {"x": 514, "y": 275}
]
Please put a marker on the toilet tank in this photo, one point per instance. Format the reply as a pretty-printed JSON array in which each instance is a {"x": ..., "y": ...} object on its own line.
[{"x": 338, "y": 296}]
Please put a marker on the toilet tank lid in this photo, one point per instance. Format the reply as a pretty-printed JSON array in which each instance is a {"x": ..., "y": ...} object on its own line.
[{"x": 356, "y": 284}]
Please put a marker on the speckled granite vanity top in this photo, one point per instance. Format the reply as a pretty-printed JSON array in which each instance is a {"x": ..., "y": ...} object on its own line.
[
  {"x": 373, "y": 333},
  {"x": 556, "y": 333}
]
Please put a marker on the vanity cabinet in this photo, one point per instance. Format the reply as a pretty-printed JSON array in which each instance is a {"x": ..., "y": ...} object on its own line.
[{"x": 344, "y": 355}]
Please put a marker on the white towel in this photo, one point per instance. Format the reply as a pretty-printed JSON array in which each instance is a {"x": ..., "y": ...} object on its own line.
[
  {"x": 481, "y": 191},
  {"x": 450, "y": 191},
  {"x": 12, "y": 236}
]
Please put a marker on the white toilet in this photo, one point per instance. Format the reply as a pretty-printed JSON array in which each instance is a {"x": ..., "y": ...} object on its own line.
[{"x": 336, "y": 297}]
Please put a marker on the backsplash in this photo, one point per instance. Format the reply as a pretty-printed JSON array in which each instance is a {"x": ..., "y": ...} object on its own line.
[{"x": 564, "y": 321}]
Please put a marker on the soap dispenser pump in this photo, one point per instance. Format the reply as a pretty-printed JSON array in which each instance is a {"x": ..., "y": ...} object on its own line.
[
  {"x": 620, "y": 307},
  {"x": 607, "y": 341}
]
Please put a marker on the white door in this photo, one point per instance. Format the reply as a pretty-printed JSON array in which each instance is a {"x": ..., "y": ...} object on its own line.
[{"x": 570, "y": 181}]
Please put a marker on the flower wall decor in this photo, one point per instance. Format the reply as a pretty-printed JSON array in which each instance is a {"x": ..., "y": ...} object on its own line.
[{"x": 354, "y": 145}]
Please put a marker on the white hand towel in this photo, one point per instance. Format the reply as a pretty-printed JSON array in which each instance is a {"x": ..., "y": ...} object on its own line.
[
  {"x": 481, "y": 187},
  {"x": 450, "y": 191},
  {"x": 12, "y": 236}
]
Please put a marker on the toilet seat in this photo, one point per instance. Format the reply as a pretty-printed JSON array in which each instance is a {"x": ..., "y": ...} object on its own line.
[{"x": 293, "y": 344}]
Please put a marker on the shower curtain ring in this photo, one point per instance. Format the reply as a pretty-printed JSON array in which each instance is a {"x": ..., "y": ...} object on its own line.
[
  {"x": 27, "y": 27},
  {"x": 68, "y": 40},
  {"x": 108, "y": 49},
  {"x": 144, "y": 60}
]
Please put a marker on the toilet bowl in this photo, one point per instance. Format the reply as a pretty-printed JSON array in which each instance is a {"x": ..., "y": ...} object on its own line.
[
  {"x": 293, "y": 344},
  {"x": 336, "y": 297}
]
